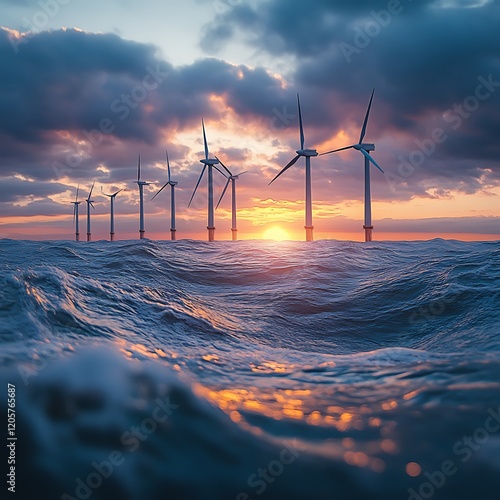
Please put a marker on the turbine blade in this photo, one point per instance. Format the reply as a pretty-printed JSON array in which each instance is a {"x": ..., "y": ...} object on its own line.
[
  {"x": 223, "y": 193},
  {"x": 365, "y": 123},
  {"x": 160, "y": 190},
  {"x": 168, "y": 166},
  {"x": 139, "y": 169},
  {"x": 241, "y": 173},
  {"x": 370, "y": 158},
  {"x": 302, "y": 139},
  {"x": 74, "y": 215},
  {"x": 92, "y": 205},
  {"x": 117, "y": 192},
  {"x": 197, "y": 184},
  {"x": 205, "y": 139},
  {"x": 293, "y": 162},
  {"x": 91, "y": 189},
  {"x": 220, "y": 171},
  {"x": 336, "y": 150},
  {"x": 77, "y": 190},
  {"x": 223, "y": 166}
]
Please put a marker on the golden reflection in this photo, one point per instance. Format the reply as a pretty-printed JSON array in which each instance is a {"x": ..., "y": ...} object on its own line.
[
  {"x": 139, "y": 348},
  {"x": 389, "y": 446},
  {"x": 292, "y": 404},
  {"x": 410, "y": 395},
  {"x": 269, "y": 367},
  {"x": 390, "y": 405},
  {"x": 413, "y": 469},
  {"x": 210, "y": 357},
  {"x": 346, "y": 417},
  {"x": 235, "y": 416}
]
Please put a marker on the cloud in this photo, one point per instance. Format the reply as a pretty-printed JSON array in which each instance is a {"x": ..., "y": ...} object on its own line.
[
  {"x": 434, "y": 65},
  {"x": 71, "y": 100},
  {"x": 77, "y": 106}
]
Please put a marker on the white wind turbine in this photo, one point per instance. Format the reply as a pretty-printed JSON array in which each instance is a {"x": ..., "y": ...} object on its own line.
[
  {"x": 76, "y": 221},
  {"x": 112, "y": 221},
  {"x": 90, "y": 203},
  {"x": 365, "y": 150},
  {"x": 307, "y": 153},
  {"x": 210, "y": 163},
  {"x": 172, "y": 185},
  {"x": 141, "y": 185},
  {"x": 231, "y": 179}
]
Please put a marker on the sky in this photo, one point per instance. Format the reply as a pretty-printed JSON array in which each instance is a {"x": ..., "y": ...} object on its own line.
[{"x": 85, "y": 87}]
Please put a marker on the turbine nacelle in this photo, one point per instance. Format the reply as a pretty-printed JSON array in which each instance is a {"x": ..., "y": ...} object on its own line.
[
  {"x": 210, "y": 161},
  {"x": 366, "y": 147},
  {"x": 307, "y": 152}
]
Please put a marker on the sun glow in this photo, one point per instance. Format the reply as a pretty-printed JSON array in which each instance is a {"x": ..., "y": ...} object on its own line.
[{"x": 276, "y": 233}]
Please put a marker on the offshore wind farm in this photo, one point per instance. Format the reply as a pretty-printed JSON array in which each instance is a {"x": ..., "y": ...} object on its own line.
[
  {"x": 231, "y": 269},
  {"x": 209, "y": 164}
]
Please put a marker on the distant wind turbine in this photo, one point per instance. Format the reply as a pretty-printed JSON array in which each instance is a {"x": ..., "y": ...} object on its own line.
[
  {"x": 210, "y": 163},
  {"x": 90, "y": 203},
  {"x": 172, "y": 185},
  {"x": 112, "y": 222},
  {"x": 76, "y": 221},
  {"x": 365, "y": 150},
  {"x": 231, "y": 179},
  {"x": 307, "y": 153},
  {"x": 141, "y": 185}
]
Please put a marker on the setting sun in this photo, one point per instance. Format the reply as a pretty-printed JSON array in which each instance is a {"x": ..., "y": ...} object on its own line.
[{"x": 276, "y": 233}]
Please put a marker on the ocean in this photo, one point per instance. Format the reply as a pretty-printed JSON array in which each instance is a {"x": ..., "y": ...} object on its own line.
[{"x": 143, "y": 370}]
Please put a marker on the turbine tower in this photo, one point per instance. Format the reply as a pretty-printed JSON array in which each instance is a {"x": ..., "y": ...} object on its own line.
[
  {"x": 365, "y": 149},
  {"x": 307, "y": 153},
  {"x": 231, "y": 179},
  {"x": 76, "y": 221},
  {"x": 210, "y": 163},
  {"x": 141, "y": 185},
  {"x": 172, "y": 185},
  {"x": 90, "y": 203},
  {"x": 112, "y": 198}
]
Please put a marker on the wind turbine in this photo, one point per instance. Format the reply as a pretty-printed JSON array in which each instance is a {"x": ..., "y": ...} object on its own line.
[
  {"x": 210, "y": 163},
  {"x": 75, "y": 215},
  {"x": 365, "y": 149},
  {"x": 231, "y": 179},
  {"x": 90, "y": 203},
  {"x": 141, "y": 185},
  {"x": 112, "y": 198},
  {"x": 307, "y": 153},
  {"x": 172, "y": 185}
]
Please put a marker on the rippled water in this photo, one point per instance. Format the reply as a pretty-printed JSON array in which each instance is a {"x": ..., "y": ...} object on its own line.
[{"x": 248, "y": 370}]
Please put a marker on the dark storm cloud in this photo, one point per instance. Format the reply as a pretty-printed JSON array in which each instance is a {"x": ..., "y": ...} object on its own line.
[
  {"x": 65, "y": 86},
  {"x": 435, "y": 64},
  {"x": 290, "y": 26},
  {"x": 18, "y": 190}
]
